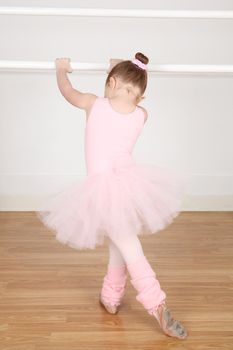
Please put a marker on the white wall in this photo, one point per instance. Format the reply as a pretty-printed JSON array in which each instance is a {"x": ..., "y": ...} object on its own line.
[{"x": 190, "y": 116}]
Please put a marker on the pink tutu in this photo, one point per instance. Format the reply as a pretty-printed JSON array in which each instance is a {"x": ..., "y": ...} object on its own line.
[{"x": 139, "y": 199}]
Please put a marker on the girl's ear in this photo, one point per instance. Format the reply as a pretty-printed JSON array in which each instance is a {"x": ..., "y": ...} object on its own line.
[{"x": 112, "y": 82}]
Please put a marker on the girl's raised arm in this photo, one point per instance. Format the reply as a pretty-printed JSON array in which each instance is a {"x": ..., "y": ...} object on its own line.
[{"x": 73, "y": 96}]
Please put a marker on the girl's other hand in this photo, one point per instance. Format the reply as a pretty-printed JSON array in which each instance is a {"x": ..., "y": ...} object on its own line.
[
  {"x": 113, "y": 62},
  {"x": 63, "y": 63}
]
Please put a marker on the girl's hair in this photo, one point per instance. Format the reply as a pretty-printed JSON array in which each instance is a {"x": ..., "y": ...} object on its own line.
[{"x": 131, "y": 73}]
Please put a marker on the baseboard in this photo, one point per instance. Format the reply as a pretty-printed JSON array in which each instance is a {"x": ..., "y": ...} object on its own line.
[{"x": 190, "y": 203}]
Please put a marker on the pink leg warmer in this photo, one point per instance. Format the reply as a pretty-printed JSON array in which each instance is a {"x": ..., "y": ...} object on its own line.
[
  {"x": 114, "y": 284},
  {"x": 143, "y": 279}
]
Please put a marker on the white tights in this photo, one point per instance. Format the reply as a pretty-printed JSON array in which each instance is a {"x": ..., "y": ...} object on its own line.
[{"x": 124, "y": 250}]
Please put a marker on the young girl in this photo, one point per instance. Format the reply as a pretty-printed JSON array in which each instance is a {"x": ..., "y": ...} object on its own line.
[{"x": 119, "y": 199}]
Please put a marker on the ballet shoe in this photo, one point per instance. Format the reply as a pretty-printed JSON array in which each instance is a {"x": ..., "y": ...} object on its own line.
[
  {"x": 110, "y": 308},
  {"x": 170, "y": 327}
]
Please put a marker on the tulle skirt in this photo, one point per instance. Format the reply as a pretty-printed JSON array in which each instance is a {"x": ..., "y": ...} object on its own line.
[{"x": 139, "y": 199}]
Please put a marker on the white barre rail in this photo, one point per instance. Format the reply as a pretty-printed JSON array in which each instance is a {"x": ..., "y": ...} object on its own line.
[
  {"x": 97, "y": 12},
  {"x": 163, "y": 68}
]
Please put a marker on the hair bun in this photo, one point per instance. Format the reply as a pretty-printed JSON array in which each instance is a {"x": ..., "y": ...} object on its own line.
[{"x": 142, "y": 57}]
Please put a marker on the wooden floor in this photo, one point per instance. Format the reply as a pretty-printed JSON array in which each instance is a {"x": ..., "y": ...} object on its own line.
[{"x": 49, "y": 292}]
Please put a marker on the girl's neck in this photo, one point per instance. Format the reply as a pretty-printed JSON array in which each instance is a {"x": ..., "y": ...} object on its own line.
[{"x": 121, "y": 98}]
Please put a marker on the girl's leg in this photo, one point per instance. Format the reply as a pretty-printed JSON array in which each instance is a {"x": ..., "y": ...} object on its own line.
[
  {"x": 115, "y": 280},
  {"x": 144, "y": 280},
  {"x": 115, "y": 257},
  {"x": 143, "y": 277}
]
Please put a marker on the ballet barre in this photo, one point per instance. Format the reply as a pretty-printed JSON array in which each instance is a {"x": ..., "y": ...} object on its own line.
[
  {"x": 80, "y": 66},
  {"x": 97, "y": 12}
]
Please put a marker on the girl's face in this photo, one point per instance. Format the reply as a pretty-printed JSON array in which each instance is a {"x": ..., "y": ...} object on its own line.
[{"x": 116, "y": 84}]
